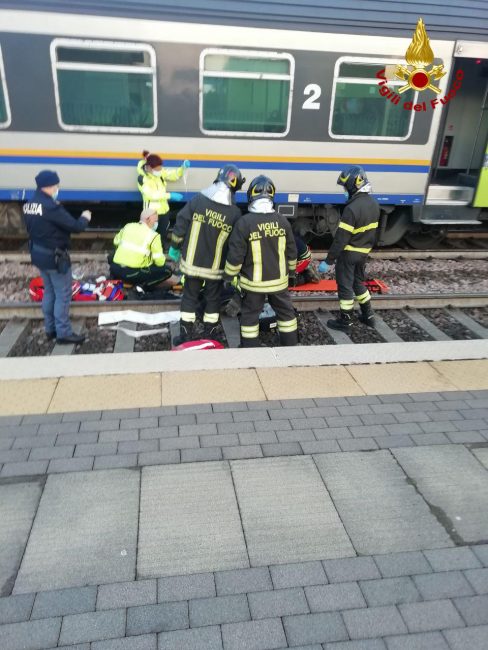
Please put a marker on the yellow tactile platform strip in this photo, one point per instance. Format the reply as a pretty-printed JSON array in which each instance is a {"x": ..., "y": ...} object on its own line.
[{"x": 66, "y": 394}]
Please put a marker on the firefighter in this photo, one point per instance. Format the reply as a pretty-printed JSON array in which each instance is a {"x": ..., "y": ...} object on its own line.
[
  {"x": 262, "y": 251},
  {"x": 151, "y": 181},
  {"x": 49, "y": 226},
  {"x": 354, "y": 239},
  {"x": 200, "y": 236},
  {"x": 139, "y": 257}
]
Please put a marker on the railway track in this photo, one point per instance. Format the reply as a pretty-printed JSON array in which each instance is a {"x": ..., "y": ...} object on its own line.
[{"x": 436, "y": 317}]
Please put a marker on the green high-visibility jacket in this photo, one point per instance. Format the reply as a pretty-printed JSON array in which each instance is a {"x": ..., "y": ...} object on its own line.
[
  {"x": 153, "y": 188},
  {"x": 138, "y": 247}
]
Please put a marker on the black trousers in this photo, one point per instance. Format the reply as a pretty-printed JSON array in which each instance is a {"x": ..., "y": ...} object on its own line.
[
  {"x": 191, "y": 292},
  {"x": 350, "y": 271},
  {"x": 147, "y": 278},
  {"x": 252, "y": 306}
]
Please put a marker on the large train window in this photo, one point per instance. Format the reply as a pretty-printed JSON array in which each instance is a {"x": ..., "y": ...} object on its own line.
[
  {"x": 358, "y": 111},
  {"x": 245, "y": 93},
  {"x": 104, "y": 86},
  {"x": 5, "y": 117}
]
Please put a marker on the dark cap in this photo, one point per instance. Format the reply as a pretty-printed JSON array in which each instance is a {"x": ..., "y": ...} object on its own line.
[{"x": 47, "y": 178}]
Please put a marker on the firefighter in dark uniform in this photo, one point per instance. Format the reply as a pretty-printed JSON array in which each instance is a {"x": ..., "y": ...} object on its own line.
[
  {"x": 263, "y": 252},
  {"x": 49, "y": 226},
  {"x": 200, "y": 236},
  {"x": 354, "y": 239}
]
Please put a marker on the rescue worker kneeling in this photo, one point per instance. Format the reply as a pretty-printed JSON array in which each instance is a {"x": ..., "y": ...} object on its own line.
[
  {"x": 139, "y": 257},
  {"x": 262, "y": 250},
  {"x": 200, "y": 237},
  {"x": 354, "y": 239}
]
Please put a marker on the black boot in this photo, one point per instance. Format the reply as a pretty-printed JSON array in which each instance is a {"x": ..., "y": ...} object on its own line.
[
  {"x": 186, "y": 333},
  {"x": 343, "y": 323},
  {"x": 251, "y": 343},
  {"x": 367, "y": 314},
  {"x": 289, "y": 338},
  {"x": 72, "y": 338},
  {"x": 210, "y": 331}
]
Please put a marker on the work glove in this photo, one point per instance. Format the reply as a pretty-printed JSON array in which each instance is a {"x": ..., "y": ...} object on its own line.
[
  {"x": 292, "y": 280},
  {"x": 232, "y": 283},
  {"x": 186, "y": 164},
  {"x": 87, "y": 215},
  {"x": 324, "y": 267},
  {"x": 174, "y": 254},
  {"x": 175, "y": 196}
]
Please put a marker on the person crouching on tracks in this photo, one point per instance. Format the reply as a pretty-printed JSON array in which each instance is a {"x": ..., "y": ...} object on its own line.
[
  {"x": 354, "y": 239},
  {"x": 263, "y": 252},
  {"x": 139, "y": 257},
  {"x": 200, "y": 237},
  {"x": 49, "y": 226},
  {"x": 151, "y": 181}
]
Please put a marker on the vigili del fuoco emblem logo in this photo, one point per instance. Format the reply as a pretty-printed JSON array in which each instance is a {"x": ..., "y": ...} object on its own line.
[
  {"x": 417, "y": 74},
  {"x": 419, "y": 56}
]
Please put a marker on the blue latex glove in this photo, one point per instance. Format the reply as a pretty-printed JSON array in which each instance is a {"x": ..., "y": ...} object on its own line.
[
  {"x": 174, "y": 254},
  {"x": 324, "y": 267},
  {"x": 186, "y": 164},
  {"x": 175, "y": 196}
]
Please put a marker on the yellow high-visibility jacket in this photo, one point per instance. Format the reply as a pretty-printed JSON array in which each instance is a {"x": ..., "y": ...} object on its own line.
[
  {"x": 138, "y": 247},
  {"x": 153, "y": 188}
]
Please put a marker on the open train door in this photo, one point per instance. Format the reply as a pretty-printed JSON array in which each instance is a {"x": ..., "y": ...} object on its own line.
[{"x": 458, "y": 192}]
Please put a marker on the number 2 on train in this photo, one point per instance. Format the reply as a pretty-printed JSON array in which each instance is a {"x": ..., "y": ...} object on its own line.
[{"x": 313, "y": 92}]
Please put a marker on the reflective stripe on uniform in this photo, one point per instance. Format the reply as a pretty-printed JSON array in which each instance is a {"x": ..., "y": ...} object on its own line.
[
  {"x": 257, "y": 271},
  {"x": 199, "y": 272},
  {"x": 281, "y": 255},
  {"x": 346, "y": 226},
  {"x": 188, "y": 316},
  {"x": 192, "y": 243},
  {"x": 231, "y": 269},
  {"x": 370, "y": 226},
  {"x": 250, "y": 331},
  {"x": 364, "y": 297},
  {"x": 346, "y": 305},
  {"x": 156, "y": 256},
  {"x": 287, "y": 325},
  {"x": 210, "y": 318},
  {"x": 218, "y": 249},
  {"x": 143, "y": 250},
  {"x": 354, "y": 249},
  {"x": 264, "y": 287},
  {"x": 292, "y": 265}
]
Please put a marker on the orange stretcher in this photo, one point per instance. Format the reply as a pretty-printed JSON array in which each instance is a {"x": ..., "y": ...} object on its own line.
[{"x": 330, "y": 286}]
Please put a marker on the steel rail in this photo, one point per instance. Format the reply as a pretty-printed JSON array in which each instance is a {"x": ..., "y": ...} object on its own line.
[{"x": 32, "y": 310}]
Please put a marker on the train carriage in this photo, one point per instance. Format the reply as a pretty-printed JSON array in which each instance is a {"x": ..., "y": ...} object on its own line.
[{"x": 276, "y": 87}]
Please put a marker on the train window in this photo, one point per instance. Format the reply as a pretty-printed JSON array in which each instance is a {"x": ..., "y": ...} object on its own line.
[
  {"x": 5, "y": 117},
  {"x": 358, "y": 111},
  {"x": 245, "y": 93},
  {"x": 104, "y": 86}
]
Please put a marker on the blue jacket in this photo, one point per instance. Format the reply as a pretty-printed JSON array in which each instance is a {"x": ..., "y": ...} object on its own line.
[{"x": 49, "y": 226}]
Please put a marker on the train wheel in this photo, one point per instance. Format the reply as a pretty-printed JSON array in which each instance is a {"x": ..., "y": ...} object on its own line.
[{"x": 425, "y": 239}]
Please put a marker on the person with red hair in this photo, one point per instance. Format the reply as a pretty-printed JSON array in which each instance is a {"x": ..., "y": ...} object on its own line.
[{"x": 151, "y": 181}]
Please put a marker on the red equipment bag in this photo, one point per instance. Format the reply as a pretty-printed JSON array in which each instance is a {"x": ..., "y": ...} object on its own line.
[
  {"x": 201, "y": 344},
  {"x": 330, "y": 286},
  {"x": 82, "y": 292}
]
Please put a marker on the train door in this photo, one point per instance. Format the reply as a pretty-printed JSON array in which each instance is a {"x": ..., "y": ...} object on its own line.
[{"x": 458, "y": 189}]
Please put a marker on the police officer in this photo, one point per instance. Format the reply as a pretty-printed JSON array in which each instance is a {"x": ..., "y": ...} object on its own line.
[
  {"x": 49, "y": 226},
  {"x": 200, "y": 236},
  {"x": 151, "y": 181},
  {"x": 263, "y": 252},
  {"x": 139, "y": 257},
  {"x": 354, "y": 239}
]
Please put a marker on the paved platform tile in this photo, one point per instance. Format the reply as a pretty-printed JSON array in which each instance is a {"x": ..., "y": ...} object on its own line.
[
  {"x": 289, "y": 383},
  {"x": 85, "y": 531},
  {"x": 18, "y": 504},
  {"x": 95, "y": 626},
  {"x": 209, "y": 386},
  {"x": 421, "y": 641},
  {"x": 474, "y": 638},
  {"x": 64, "y": 601},
  {"x": 469, "y": 375},
  {"x": 370, "y": 487},
  {"x": 208, "y": 537},
  {"x": 120, "y": 391},
  {"x": 452, "y": 480},
  {"x": 40, "y": 392},
  {"x": 399, "y": 378},
  {"x": 286, "y": 512},
  {"x": 34, "y": 635},
  {"x": 207, "y": 638},
  {"x": 254, "y": 635}
]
